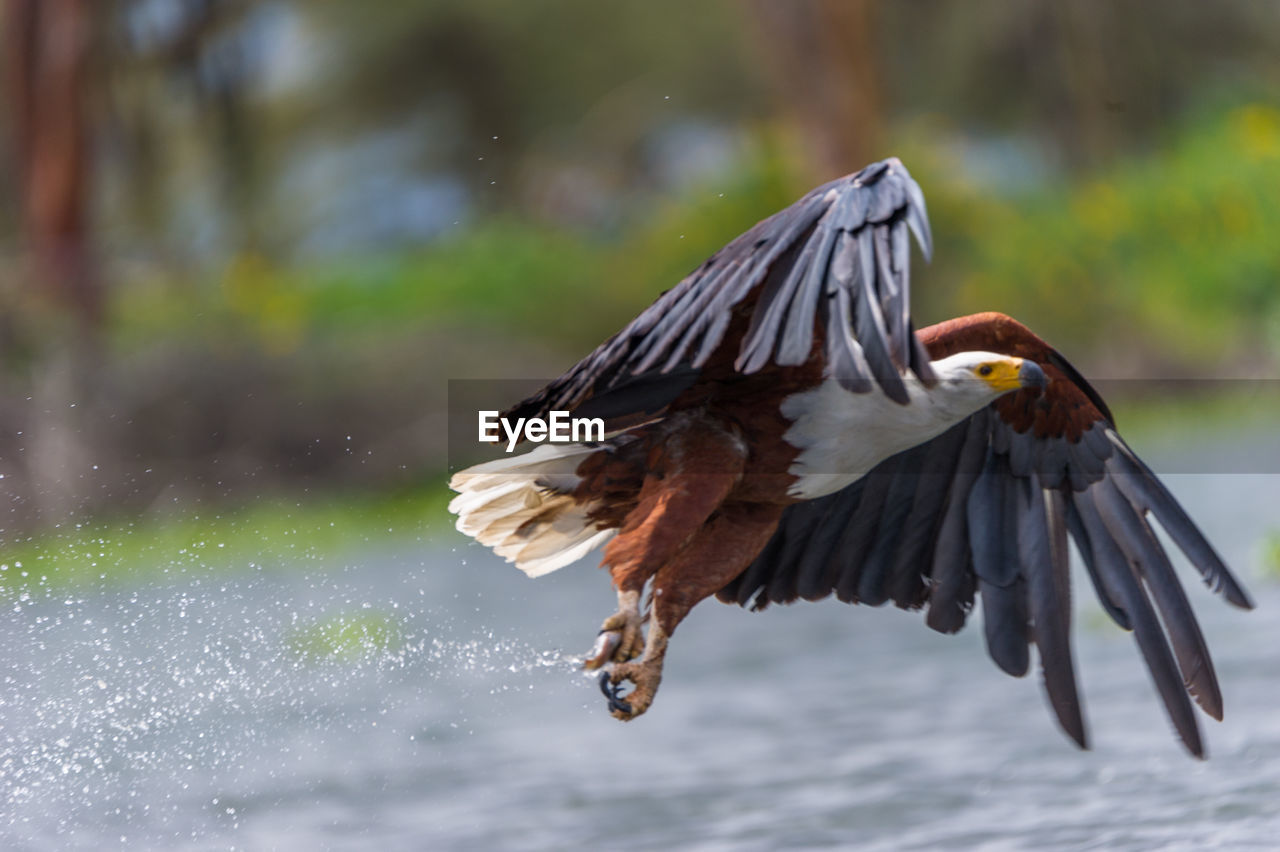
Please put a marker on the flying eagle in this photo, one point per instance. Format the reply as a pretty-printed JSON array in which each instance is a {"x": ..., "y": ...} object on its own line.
[{"x": 778, "y": 430}]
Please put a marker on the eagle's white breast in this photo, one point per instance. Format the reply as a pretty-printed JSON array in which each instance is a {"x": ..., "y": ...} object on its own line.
[{"x": 842, "y": 435}]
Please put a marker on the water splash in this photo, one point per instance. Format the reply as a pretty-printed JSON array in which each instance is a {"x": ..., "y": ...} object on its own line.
[{"x": 118, "y": 706}]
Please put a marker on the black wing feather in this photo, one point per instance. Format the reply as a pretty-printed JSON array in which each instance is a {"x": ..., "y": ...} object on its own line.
[
  {"x": 813, "y": 568},
  {"x": 1146, "y": 492},
  {"x": 851, "y": 551},
  {"x": 983, "y": 508},
  {"x": 1045, "y": 557},
  {"x": 1123, "y": 585},
  {"x": 951, "y": 596},
  {"x": 783, "y": 271},
  {"x": 874, "y": 578},
  {"x": 1144, "y": 553},
  {"x": 993, "y": 518},
  {"x": 937, "y": 469}
]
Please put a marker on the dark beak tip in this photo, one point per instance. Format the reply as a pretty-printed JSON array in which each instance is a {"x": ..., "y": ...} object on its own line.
[{"x": 1031, "y": 376}]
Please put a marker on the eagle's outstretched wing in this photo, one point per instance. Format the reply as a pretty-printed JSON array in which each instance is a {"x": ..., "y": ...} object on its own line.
[
  {"x": 986, "y": 508},
  {"x": 838, "y": 259}
]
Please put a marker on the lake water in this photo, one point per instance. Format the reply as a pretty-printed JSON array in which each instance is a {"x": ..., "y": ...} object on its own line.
[{"x": 231, "y": 713}]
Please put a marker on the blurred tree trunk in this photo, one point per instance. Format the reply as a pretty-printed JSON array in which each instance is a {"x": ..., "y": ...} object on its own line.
[
  {"x": 46, "y": 47},
  {"x": 825, "y": 62},
  {"x": 46, "y": 53}
]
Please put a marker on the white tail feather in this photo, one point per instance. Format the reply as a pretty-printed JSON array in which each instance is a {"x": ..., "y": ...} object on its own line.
[{"x": 501, "y": 504}]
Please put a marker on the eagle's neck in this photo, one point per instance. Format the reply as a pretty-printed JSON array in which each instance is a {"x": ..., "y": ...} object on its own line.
[{"x": 842, "y": 435}]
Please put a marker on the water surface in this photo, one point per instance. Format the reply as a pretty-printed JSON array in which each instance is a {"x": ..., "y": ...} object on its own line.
[{"x": 244, "y": 712}]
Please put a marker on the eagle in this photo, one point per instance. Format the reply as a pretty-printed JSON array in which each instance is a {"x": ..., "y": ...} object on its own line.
[{"x": 776, "y": 430}]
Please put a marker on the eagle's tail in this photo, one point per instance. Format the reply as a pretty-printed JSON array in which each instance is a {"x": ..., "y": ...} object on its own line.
[{"x": 523, "y": 507}]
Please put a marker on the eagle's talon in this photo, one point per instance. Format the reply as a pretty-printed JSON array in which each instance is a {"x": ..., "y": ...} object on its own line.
[
  {"x": 612, "y": 693},
  {"x": 645, "y": 676},
  {"x": 620, "y": 639}
]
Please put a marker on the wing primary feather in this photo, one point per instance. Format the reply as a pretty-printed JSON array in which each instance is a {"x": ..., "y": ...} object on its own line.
[
  {"x": 1142, "y": 488},
  {"x": 682, "y": 318},
  {"x": 712, "y": 339},
  {"x": 898, "y": 500},
  {"x": 912, "y": 562},
  {"x": 703, "y": 316},
  {"x": 766, "y": 327},
  {"x": 993, "y": 517},
  {"x": 900, "y": 314},
  {"x": 1050, "y": 460},
  {"x": 847, "y": 360},
  {"x": 1083, "y": 467},
  {"x": 848, "y": 213},
  {"x": 1075, "y": 525},
  {"x": 1143, "y": 550},
  {"x": 989, "y": 533},
  {"x": 917, "y": 213},
  {"x": 1056, "y": 518},
  {"x": 890, "y": 298},
  {"x": 1021, "y": 453},
  {"x": 851, "y": 550},
  {"x": 687, "y": 324},
  {"x": 1050, "y": 614},
  {"x": 1001, "y": 435},
  {"x": 795, "y": 345},
  {"x": 869, "y": 324},
  {"x": 950, "y": 573},
  {"x": 782, "y": 584},
  {"x": 781, "y": 282},
  {"x": 1121, "y": 581},
  {"x": 884, "y": 197},
  {"x": 1004, "y": 623},
  {"x": 815, "y": 579}
]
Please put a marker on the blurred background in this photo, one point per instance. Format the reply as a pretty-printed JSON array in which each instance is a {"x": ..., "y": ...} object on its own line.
[{"x": 245, "y": 245}]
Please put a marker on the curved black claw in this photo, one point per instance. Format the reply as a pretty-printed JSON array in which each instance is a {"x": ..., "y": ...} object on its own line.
[{"x": 611, "y": 691}]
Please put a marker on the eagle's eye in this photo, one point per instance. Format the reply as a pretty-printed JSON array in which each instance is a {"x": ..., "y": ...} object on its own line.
[{"x": 984, "y": 370}]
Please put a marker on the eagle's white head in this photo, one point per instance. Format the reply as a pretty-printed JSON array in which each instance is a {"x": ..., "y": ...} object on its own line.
[{"x": 969, "y": 380}]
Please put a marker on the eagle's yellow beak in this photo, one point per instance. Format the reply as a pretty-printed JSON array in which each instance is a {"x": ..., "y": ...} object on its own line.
[{"x": 1011, "y": 374}]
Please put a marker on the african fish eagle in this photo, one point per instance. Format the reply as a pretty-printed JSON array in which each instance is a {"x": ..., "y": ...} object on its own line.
[{"x": 778, "y": 430}]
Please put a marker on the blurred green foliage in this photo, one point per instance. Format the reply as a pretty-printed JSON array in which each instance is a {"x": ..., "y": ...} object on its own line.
[
  {"x": 1171, "y": 254},
  {"x": 556, "y": 285},
  {"x": 345, "y": 637},
  {"x": 1270, "y": 556},
  {"x": 262, "y": 536},
  {"x": 1169, "y": 257}
]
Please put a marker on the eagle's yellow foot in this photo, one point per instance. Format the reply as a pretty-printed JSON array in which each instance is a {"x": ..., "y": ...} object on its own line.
[
  {"x": 645, "y": 675},
  {"x": 620, "y": 639}
]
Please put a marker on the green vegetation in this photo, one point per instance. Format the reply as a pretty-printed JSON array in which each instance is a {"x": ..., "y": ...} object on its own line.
[
  {"x": 1231, "y": 408},
  {"x": 262, "y": 536},
  {"x": 504, "y": 277},
  {"x": 1166, "y": 259},
  {"x": 1269, "y": 562},
  {"x": 1170, "y": 256},
  {"x": 344, "y": 637}
]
